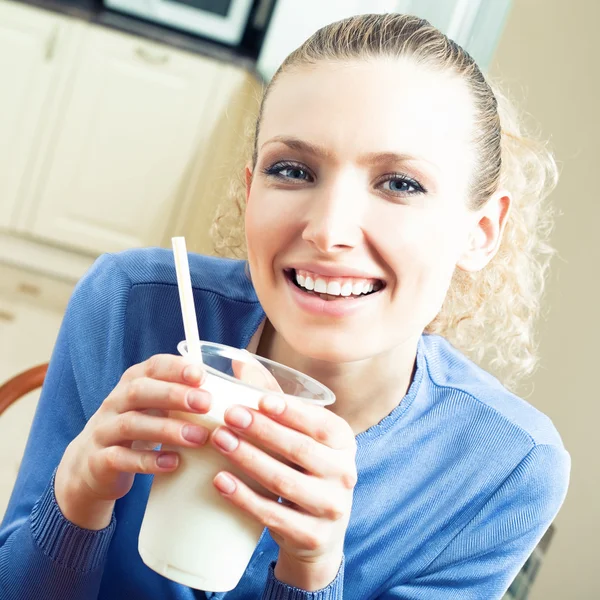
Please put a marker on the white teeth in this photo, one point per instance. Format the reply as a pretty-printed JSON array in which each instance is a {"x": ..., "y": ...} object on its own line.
[
  {"x": 334, "y": 288},
  {"x": 320, "y": 286},
  {"x": 357, "y": 288},
  {"x": 346, "y": 289}
]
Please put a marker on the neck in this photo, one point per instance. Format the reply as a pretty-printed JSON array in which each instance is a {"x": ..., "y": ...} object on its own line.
[{"x": 366, "y": 391}]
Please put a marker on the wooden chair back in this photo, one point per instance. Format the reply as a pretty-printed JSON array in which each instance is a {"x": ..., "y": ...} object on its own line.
[{"x": 21, "y": 384}]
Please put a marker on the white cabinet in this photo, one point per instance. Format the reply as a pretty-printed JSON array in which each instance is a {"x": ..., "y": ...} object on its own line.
[
  {"x": 133, "y": 125},
  {"x": 34, "y": 48},
  {"x": 106, "y": 139}
]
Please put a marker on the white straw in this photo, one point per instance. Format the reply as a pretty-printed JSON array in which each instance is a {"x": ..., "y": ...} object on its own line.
[{"x": 186, "y": 298}]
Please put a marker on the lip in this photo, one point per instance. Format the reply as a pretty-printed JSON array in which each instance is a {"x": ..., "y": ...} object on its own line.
[
  {"x": 344, "y": 307},
  {"x": 333, "y": 270}
]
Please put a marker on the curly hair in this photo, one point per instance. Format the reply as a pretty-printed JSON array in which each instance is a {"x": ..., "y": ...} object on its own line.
[{"x": 490, "y": 315}]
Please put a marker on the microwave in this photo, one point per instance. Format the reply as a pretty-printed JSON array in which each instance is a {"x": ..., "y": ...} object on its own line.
[{"x": 220, "y": 20}]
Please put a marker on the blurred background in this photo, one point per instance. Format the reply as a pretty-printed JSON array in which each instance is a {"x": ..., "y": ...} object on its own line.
[{"x": 122, "y": 123}]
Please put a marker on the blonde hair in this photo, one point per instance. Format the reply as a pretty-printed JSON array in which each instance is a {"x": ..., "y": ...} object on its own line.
[{"x": 490, "y": 315}]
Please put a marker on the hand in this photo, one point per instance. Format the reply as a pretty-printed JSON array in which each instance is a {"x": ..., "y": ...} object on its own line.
[
  {"x": 316, "y": 478},
  {"x": 100, "y": 464}
]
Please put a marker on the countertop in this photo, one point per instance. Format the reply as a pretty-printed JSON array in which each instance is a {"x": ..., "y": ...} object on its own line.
[{"x": 95, "y": 12}]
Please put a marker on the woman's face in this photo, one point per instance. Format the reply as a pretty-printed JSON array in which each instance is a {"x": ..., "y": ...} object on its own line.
[{"x": 362, "y": 178}]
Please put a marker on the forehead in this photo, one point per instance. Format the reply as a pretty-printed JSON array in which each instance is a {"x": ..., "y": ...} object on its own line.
[{"x": 394, "y": 105}]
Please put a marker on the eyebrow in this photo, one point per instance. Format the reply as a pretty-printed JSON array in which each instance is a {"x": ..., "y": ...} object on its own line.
[
  {"x": 300, "y": 145},
  {"x": 321, "y": 152}
]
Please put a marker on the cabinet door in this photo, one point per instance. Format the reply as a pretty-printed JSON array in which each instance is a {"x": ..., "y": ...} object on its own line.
[
  {"x": 131, "y": 130},
  {"x": 32, "y": 52}
]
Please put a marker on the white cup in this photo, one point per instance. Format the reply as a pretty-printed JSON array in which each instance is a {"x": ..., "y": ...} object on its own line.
[{"x": 190, "y": 534}]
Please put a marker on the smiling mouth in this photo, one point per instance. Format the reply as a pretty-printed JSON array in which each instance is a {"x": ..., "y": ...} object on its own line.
[{"x": 376, "y": 287}]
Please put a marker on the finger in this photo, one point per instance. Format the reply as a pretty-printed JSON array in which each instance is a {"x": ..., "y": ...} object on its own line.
[
  {"x": 167, "y": 367},
  {"x": 295, "y": 527},
  {"x": 142, "y": 445},
  {"x": 125, "y": 460},
  {"x": 145, "y": 445},
  {"x": 297, "y": 448},
  {"x": 306, "y": 491},
  {"x": 144, "y": 393},
  {"x": 252, "y": 372},
  {"x": 136, "y": 426},
  {"x": 317, "y": 422}
]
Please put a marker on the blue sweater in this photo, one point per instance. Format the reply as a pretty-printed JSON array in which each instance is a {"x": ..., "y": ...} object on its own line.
[{"x": 456, "y": 485}]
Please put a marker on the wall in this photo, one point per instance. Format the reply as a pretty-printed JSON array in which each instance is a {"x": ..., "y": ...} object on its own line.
[{"x": 549, "y": 59}]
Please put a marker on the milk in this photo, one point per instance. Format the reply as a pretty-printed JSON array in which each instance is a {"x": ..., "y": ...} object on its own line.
[{"x": 190, "y": 533}]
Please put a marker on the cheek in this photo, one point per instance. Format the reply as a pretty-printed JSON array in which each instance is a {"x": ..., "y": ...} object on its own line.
[
  {"x": 259, "y": 220},
  {"x": 419, "y": 237},
  {"x": 270, "y": 225},
  {"x": 256, "y": 214},
  {"x": 422, "y": 247}
]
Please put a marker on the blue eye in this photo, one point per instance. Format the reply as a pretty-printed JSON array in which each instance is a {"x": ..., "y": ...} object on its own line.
[
  {"x": 288, "y": 171},
  {"x": 400, "y": 184}
]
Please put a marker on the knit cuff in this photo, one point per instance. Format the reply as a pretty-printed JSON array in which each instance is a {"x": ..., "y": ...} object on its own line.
[
  {"x": 277, "y": 590},
  {"x": 73, "y": 547}
]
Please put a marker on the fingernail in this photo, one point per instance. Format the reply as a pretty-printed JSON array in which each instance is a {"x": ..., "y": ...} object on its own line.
[
  {"x": 194, "y": 434},
  {"x": 192, "y": 373},
  {"x": 238, "y": 417},
  {"x": 167, "y": 461},
  {"x": 225, "y": 483},
  {"x": 273, "y": 404},
  {"x": 198, "y": 400},
  {"x": 226, "y": 440}
]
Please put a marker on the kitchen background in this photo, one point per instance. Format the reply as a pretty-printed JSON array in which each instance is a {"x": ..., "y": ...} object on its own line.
[{"x": 121, "y": 124}]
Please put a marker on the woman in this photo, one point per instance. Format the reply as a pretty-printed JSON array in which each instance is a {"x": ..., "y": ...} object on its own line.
[{"x": 391, "y": 205}]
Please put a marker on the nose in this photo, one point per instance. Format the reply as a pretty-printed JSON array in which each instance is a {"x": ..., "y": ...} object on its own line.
[{"x": 334, "y": 217}]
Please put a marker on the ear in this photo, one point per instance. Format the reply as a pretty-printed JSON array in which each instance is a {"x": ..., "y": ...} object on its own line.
[
  {"x": 248, "y": 173},
  {"x": 486, "y": 234}
]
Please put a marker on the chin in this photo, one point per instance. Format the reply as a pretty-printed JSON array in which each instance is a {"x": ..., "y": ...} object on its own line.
[{"x": 331, "y": 349}]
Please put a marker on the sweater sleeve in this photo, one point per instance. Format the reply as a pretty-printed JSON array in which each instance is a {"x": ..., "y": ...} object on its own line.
[
  {"x": 42, "y": 554},
  {"x": 483, "y": 559},
  {"x": 277, "y": 590}
]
